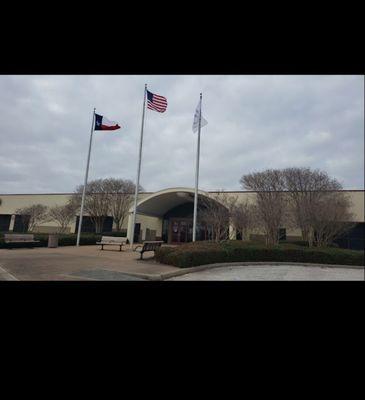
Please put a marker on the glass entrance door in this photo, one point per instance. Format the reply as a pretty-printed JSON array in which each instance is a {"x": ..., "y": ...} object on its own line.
[{"x": 181, "y": 230}]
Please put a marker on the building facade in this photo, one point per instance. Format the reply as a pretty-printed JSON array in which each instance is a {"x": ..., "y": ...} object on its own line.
[{"x": 166, "y": 214}]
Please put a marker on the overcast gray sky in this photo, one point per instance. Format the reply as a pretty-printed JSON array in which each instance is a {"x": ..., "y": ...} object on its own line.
[{"x": 254, "y": 123}]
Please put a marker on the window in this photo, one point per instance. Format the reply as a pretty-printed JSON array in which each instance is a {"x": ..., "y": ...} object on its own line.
[{"x": 282, "y": 234}]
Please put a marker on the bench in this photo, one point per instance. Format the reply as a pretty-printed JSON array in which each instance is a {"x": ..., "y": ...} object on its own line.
[
  {"x": 148, "y": 246},
  {"x": 13, "y": 238},
  {"x": 112, "y": 240}
]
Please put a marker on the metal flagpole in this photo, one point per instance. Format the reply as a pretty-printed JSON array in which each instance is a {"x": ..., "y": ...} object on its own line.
[
  {"x": 197, "y": 172},
  {"x": 85, "y": 183},
  {"x": 138, "y": 169}
]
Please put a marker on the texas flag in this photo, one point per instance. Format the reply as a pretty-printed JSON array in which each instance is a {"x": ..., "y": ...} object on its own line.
[{"x": 103, "y": 124}]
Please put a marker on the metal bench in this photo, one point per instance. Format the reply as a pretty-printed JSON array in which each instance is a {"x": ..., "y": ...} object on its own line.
[
  {"x": 112, "y": 240},
  {"x": 150, "y": 245},
  {"x": 14, "y": 238}
]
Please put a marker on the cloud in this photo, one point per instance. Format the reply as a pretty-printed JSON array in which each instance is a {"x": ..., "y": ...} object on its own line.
[
  {"x": 317, "y": 138},
  {"x": 254, "y": 122}
]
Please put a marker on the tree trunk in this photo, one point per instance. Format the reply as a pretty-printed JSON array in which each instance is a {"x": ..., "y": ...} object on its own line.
[
  {"x": 98, "y": 224},
  {"x": 305, "y": 234},
  {"x": 310, "y": 237}
]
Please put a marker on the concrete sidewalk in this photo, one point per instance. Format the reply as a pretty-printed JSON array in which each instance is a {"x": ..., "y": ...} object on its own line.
[{"x": 79, "y": 263}]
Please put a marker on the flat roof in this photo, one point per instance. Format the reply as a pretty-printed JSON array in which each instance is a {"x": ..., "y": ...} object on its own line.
[{"x": 208, "y": 191}]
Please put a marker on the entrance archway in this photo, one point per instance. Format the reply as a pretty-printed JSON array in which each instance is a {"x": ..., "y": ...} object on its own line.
[{"x": 169, "y": 213}]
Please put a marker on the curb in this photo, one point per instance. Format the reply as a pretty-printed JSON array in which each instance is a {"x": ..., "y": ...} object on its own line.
[
  {"x": 199, "y": 268},
  {"x": 157, "y": 277},
  {"x": 184, "y": 271}
]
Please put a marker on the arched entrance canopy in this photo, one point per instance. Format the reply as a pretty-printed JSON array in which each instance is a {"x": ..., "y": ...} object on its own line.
[
  {"x": 168, "y": 214},
  {"x": 159, "y": 203}
]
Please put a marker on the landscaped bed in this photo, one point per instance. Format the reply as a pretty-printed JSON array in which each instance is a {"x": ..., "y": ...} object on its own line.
[{"x": 201, "y": 253}]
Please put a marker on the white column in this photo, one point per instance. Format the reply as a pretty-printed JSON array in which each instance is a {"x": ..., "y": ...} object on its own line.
[
  {"x": 129, "y": 227},
  {"x": 232, "y": 231},
  {"x": 73, "y": 226},
  {"x": 12, "y": 222},
  {"x": 85, "y": 182},
  {"x": 197, "y": 172},
  {"x": 138, "y": 169}
]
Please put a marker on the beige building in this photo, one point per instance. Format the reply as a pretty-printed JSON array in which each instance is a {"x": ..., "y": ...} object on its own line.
[{"x": 166, "y": 214}]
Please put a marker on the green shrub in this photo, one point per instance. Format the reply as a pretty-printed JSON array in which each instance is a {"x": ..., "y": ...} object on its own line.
[
  {"x": 201, "y": 253},
  {"x": 295, "y": 242}
]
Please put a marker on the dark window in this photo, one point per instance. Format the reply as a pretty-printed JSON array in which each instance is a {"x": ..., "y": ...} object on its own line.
[
  {"x": 282, "y": 234},
  {"x": 21, "y": 223},
  {"x": 137, "y": 233},
  {"x": 354, "y": 239},
  {"x": 5, "y": 222},
  {"x": 165, "y": 230},
  {"x": 108, "y": 224},
  {"x": 89, "y": 226}
]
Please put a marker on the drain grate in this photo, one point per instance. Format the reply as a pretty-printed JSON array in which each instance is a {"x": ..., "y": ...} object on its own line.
[{"x": 106, "y": 275}]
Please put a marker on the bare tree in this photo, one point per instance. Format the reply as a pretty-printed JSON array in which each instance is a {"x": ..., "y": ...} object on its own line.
[
  {"x": 97, "y": 203},
  {"x": 270, "y": 199},
  {"x": 121, "y": 193},
  {"x": 330, "y": 217},
  {"x": 215, "y": 212},
  {"x": 33, "y": 215},
  {"x": 63, "y": 215},
  {"x": 243, "y": 217},
  {"x": 309, "y": 191}
]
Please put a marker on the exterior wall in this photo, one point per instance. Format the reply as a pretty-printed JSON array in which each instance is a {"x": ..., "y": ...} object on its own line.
[
  {"x": 357, "y": 199},
  {"x": 153, "y": 223},
  {"x": 12, "y": 202},
  {"x": 356, "y": 196}
]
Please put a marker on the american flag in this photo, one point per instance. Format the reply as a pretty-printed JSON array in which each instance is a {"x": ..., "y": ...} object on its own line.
[{"x": 156, "y": 102}]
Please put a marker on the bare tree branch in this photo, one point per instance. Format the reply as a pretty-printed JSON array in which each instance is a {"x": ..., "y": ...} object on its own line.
[
  {"x": 121, "y": 195},
  {"x": 243, "y": 217},
  {"x": 316, "y": 204},
  {"x": 215, "y": 212},
  {"x": 97, "y": 203},
  {"x": 106, "y": 197},
  {"x": 270, "y": 199},
  {"x": 34, "y": 215},
  {"x": 63, "y": 215}
]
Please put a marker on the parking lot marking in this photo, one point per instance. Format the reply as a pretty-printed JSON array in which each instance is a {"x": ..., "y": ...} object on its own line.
[{"x": 5, "y": 274}]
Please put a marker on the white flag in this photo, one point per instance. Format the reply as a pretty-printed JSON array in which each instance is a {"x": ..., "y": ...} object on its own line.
[{"x": 196, "y": 119}]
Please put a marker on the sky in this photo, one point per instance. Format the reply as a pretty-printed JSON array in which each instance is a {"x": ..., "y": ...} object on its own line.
[{"x": 254, "y": 123}]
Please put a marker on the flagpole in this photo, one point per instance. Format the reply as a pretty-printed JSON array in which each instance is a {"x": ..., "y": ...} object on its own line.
[
  {"x": 197, "y": 172},
  {"x": 85, "y": 182},
  {"x": 138, "y": 169}
]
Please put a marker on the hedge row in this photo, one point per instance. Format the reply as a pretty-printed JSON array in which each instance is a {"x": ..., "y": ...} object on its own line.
[
  {"x": 63, "y": 239},
  {"x": 199, "y": 253}
]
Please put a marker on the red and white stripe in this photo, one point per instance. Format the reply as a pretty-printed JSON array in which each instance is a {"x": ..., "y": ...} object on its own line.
[
  {"x": 158, "y": 103},
  {"x": 107, "y": 125}
]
